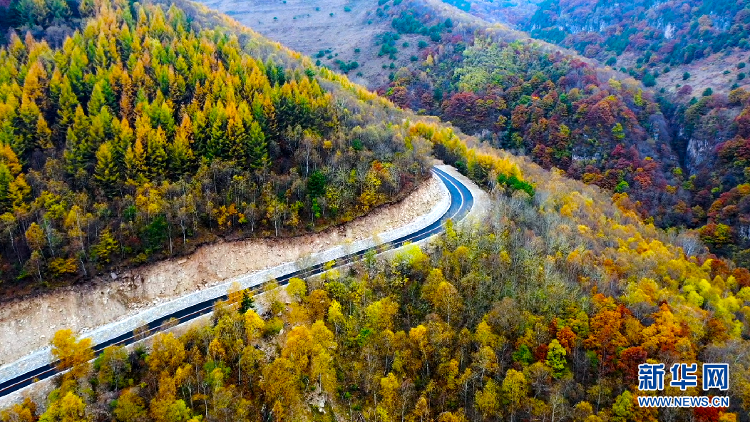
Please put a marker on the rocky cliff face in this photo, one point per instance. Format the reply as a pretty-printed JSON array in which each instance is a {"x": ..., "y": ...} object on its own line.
[
  {"x": 713, "y": 128},
  {"x": 698, "y": 153}
]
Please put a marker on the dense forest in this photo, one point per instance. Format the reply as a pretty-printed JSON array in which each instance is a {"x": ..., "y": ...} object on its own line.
[
  {"x": 542, "y": 311},
  {"x": 551, "y": 107},
  {"x": 680, "y": 159},
  {"x": 144, "y": 135}
]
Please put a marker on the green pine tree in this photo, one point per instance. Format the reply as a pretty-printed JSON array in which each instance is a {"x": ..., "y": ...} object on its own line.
[
  {"x": 106, "y": 173},
  {"x": 156, "y": 154},
  {"x": 217, "y": 142},
  {"x": 28, "y": 117},
  {"x": 237, "y": 139},
  {"x": 66, "y": 109},
  {"x": 257, "y": 148},
  {"x": 181, "y": 156},
  {"x": 5, "y": 180},
  {"x": 77, "y": 149},
  {"x": 246, "y": 303},
  {"x": 97, "y": 101}
]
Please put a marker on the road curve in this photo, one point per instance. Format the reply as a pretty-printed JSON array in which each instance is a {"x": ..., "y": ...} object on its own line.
[{"x": 461, "y": 203}]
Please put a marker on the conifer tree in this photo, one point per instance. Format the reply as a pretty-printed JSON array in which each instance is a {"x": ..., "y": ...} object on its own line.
[
  {"x": 237, "y": 138},
  {"x": 77, "y": 148},
  {"x": 156, "y": 154},
  {"x": 26, "y": 127},
  {"x": 5, "y": 180},
  {"x": 217, "y": 143},
  {"x": 135, "y": 161},
  {"x": 43, "y": 134},
  {"x": 180, "y": 153},
  {"x": 246, "y": 303},
  {"x": 97, "y": 101},
  {"x": 257, "y": 148},
  {"x": 106, "y": 172},
  {"x": 66, "y": 109}
]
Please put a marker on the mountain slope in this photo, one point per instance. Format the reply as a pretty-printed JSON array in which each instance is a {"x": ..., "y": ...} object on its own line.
[
  {"x": 543, "y": 310},
  {"x": 663, "y": 154},
  {"x": 145, "y": 135},
  {"x": 661, "y": 40}
]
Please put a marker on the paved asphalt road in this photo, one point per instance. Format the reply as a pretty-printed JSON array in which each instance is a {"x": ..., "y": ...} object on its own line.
[{"x": 461, "y": 203}]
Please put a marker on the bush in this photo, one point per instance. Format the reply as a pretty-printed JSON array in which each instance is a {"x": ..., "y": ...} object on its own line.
[
  {"x": 347, "y": 67},
  {"x": 388, "y": 50},
  {"x": 316, "y": 184},
  {"x": 708, "y": 92},
  {"x": 406, "y": 23},
  {"x": 685, "y": 76},
  {"x": 649, "y": 80},
  {"x": 273, "y": 327},
  {"x": 514, "y": 183}
]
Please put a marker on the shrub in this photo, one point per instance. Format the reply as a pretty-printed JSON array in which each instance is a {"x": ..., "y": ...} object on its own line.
[
  {"x": 273, "y": 327},
  {"x": 514, "y": 183},
  {"x": 649, "y": 79}
]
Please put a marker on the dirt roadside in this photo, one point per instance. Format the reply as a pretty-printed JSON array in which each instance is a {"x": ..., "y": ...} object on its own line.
[{"x": 28, "y": 324}]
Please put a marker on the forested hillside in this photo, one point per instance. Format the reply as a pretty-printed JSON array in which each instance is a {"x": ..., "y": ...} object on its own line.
[
  {"x": 146, "y": 134},
  {"x": 544, "y": 310},
  {"x": 672, "y": 155},
  {"x": 648, "y": 127},
  {"x": 654, "y": 41},
  {"x": 557, "y": 109}
]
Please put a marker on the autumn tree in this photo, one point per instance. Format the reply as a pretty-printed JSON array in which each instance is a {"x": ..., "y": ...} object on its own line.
[{"x": 72, "y": 354}]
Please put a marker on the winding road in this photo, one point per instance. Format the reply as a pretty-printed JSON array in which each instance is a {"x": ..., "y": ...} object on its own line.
[{"x": 461, "y": 203}]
